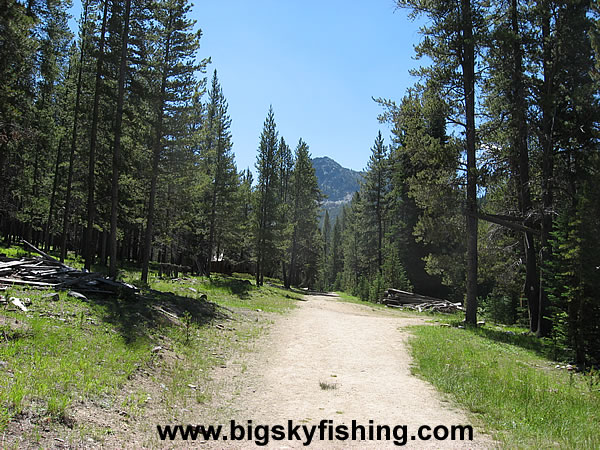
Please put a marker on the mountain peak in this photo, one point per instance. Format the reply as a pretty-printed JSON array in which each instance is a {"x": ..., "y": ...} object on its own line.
[
  {"x": 325, "y": 159},
  {"x": 336, "y": 182}
]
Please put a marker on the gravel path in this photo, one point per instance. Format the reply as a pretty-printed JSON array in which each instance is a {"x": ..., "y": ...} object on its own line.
[{"x": 361, "y": 354}]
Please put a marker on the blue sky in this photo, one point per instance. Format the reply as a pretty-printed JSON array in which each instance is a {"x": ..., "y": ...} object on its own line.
[{"x": 319, "y": 63}]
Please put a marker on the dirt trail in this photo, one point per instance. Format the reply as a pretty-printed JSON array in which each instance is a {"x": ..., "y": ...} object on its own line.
[{"x": 363, "y": 353}]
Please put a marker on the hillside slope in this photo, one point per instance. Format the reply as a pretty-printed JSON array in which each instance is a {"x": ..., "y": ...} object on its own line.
[{"x": 337, "y": 183}]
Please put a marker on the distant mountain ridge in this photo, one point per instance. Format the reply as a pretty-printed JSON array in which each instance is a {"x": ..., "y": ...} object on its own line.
[{"x": 338, "y": 183}]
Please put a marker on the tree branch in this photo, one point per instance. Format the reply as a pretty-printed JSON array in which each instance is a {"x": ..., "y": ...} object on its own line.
[{"x": 506, "y": 221}]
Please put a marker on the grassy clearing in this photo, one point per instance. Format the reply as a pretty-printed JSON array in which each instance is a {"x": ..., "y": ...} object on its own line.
[
  {"x": 227, "y": 291},
  {"x": 516, "y": 393},
  {"x": 63, "y": 353}
]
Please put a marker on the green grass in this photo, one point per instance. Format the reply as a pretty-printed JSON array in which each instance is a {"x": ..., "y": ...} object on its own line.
[
  {"x": 58, "y": 353},
  {"x": 228, "y": 291},
  {"x": 514, "y": 392},
  {"x": 348, "y": 298},
  {"x": 436, "y": 317},
  {"x": 63, "y": 352}
]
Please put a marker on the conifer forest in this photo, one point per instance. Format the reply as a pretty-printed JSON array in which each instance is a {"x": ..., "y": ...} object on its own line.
[{"x": 483, "y": 186}]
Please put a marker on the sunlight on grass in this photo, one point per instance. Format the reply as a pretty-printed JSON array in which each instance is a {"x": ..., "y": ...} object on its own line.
[
  {"x": 67, "y": 351},
  {"x": 58, "y": 358},
  {"x": 517, "y": 394}
]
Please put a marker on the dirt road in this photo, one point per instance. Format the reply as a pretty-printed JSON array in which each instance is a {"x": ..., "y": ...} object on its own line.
[{"x": 359, "y": 355}]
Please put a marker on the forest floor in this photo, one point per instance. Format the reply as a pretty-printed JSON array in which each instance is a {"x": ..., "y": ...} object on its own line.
[{"x": 324, "y": 360}]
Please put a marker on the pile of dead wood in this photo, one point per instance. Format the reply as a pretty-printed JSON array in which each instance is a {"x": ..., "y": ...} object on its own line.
[
  {"x": 46, "y": 272},
  {"x": 442, "y": 306},
  {"x": 395, "y": 298}
]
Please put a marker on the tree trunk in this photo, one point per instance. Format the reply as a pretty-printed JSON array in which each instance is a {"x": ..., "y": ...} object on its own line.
[
  {"x": 3, "y": 157},
  {"x": 67, "y": 210},
  {"x": 468, "y": 69},
  {"x": 258, "y": 269},
  {"x": 157, "y": 150},
  {"x": 211, "y": 233},
  {"x": 379, "y": 224},
  {"x": 286, "y": 280},
  {"x": 151, "y": 201},
  {"x": 91, "y": 207},
  {"x": 293, "y": 273},
  {"x": 103, "y": 248},
  {"x": 114, "y": 193},
  {"x": 521, "y": 169},
  {"x": 48, "y": 227},
  {"x": 543, "y": 324}
]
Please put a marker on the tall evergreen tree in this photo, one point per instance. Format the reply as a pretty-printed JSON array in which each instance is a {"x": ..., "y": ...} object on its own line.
[
  {"x": 219, "y": 164},
  {"x": 426, "y": 195},
  {"x": 91, "y": 206},
  {"x": 305, "y": 200},
  {"x": 286, "y": 164},
  {"x": 375, "y": 187},
  {"x": 355, "y": 270},
  {"x": 245, "y": 241},
  {"x": 172, "y": 71},
  {"x": 17, "y": 75},
  {"x": 507, "y": 98},
  {"x": 84, "y": 33},
  {"x": 267, "y": 204},
  {"x": 54, "y": 51},
  {"x": 335, "y": 262},
  {"x": 116, "y": 156},
  {"x": 452, "y": 42}
]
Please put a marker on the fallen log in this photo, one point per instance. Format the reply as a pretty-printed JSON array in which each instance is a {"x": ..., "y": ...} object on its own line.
[
  {"x": 396, "y": 298},
  {"x": 44, "y": 255},
  {"x": 26, "y": 282},
  {"x": 50, "y": 273},
  {"x": 445, "y": 307},
  {"x": 12, "y": 264},
  {"x": 80, "y": 280}
]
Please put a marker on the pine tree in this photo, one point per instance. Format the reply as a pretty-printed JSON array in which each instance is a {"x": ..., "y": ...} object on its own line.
[
  {"x": 244, "y": 228},
  {"x": 267, "y": 201},
  {"x": 451, "y": 42},
  {"x": 304, "y": 201},
  {"x": 425, "y": 200},
  {"x": 574, "y": 310},
  {"x": 172, "y": 71},
  {"x": 335, "y": 262},
  {"x": 219, "y": 163},
  {"x": 91, "y": 207},
  {"x": 54, "y": 42},
  {"x": 116, "y": 156},
  {"x": 17, "y": 59},
  {"x": 375, "y": 188},
  {"x": 355, "y": 267},
  {"x": 286, "y": 164},
  {"x": 508, "y": 101},
  {"x": 63, "y": 120},
  {"x": 84, "y": 33}
]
